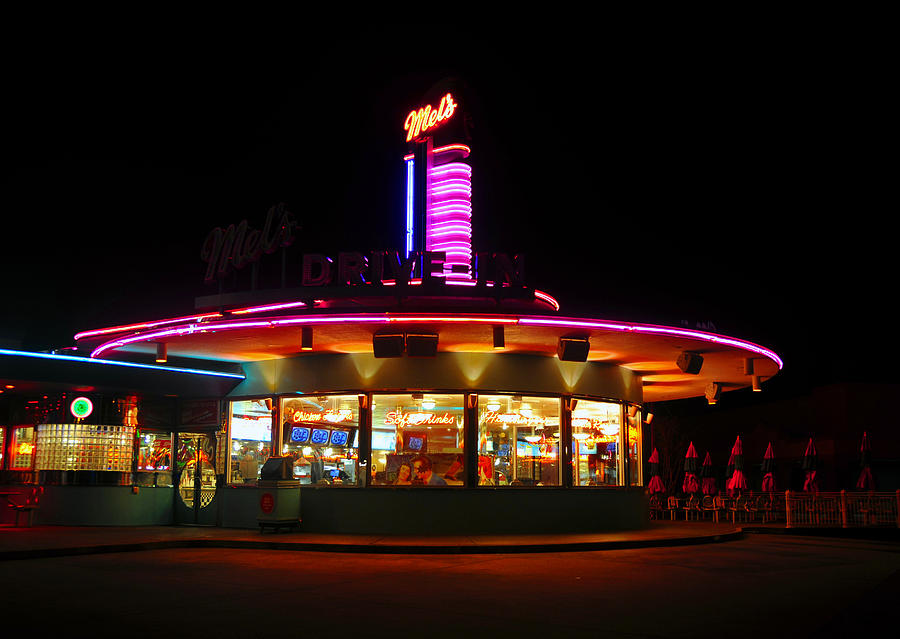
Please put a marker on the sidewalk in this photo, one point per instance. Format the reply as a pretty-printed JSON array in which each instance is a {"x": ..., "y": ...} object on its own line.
[{"x": 55, "y": 541}]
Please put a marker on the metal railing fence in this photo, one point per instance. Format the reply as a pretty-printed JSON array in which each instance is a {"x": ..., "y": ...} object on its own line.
[
  {"x": 842, "y": 509},
  {"x": 796, "y": 510}
]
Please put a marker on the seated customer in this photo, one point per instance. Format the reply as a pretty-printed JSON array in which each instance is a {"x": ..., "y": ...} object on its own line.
[{"x": 424, "y": 473}]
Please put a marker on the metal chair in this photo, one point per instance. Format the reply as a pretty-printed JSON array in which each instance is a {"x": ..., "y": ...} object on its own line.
[
  {"x": 764, "y": 504},
  {"x": 656, "y": 507},
  {"x": 691, "y": 508},
  {"x": 710, "y": 504},
  {"x": 738, "y": 507},
  {"x": 673, "y": 507}
]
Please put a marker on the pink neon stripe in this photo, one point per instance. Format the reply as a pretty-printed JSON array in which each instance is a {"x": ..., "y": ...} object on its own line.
[
  {"x": 133, "y": 327},
  {"x": 452, "y": 181},
  {"x": 452, "y": 147},
  {"x": 452, "y": 167},
  {"x": 271, "y": 307},
  {"x": 529, "y": 320},
  {"x": 649, "y": 328},
  {"x": 444, "y": 149},
  {"x": 547, "y": 298}
]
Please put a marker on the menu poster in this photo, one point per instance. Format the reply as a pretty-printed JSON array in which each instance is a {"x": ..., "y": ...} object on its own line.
[
  {"x": 201, "y": 414},
  {"x": 156, "y": 413}
]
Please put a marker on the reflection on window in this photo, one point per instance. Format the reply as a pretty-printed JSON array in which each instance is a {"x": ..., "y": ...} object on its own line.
[
  {"x": 196, "y": 454},
  {"x": 321, "y": 434},
  {"x": 518, "y": 440},
  {"x": 22, "y": 449},
  {"x": 417, "y": 440},
  {"x": 596, "y": 442},
  {"x": 634, "y": 449},
  {"x": 251, "y": 438},
  {"x": 154, "y": 463}
]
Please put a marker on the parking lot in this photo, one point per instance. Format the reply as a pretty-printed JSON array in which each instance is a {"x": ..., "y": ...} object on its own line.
[{"x": 762, "y": 585}]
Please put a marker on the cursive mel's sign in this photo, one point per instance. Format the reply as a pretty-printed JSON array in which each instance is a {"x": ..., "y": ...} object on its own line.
[
  {"x": 419, "y": 121},
  {"x": 237, "y": 246}
]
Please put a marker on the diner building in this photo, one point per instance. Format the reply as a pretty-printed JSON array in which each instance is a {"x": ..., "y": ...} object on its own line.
[{"x": 423, "y": 390}]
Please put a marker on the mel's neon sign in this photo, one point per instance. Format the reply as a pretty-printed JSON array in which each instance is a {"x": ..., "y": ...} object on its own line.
[{"x": 419, "y": 121}]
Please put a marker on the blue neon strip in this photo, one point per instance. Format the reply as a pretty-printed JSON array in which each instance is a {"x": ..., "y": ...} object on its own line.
[
  {"x": 89, "y": 360},
  {"x": 410, "y": 224}
]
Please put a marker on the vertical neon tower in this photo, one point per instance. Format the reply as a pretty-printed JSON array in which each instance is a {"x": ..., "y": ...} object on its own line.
[{"x": 438, "y": 193}]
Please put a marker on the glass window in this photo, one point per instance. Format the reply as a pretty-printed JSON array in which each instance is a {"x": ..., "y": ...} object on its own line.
[
  {"x": 250, "y": 421},
  {"x": 596, "y": 444},
  {"x": 195, "y": 462},
  {"x": 321, "y": 434},
  {"x": 418, "y": 439},
  {"x": 635, "y": 454},
  {"x": 518, "y": 440},
  {"x": 84, "y": 447},
  {"x": 22, "y": 448},
  {"x": 2, "y": 445},
  {"x": 154, "y": 463}
]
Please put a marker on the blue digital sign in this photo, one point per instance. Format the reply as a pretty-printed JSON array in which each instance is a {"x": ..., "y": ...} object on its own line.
[
  {"x": 320, "y": 436},
  {"x": 299, "y": 434},
  {"x": 339, "y": 437}
]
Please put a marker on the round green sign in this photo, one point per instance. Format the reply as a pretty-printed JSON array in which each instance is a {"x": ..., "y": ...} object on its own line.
[{"x": 82, "y": 407}]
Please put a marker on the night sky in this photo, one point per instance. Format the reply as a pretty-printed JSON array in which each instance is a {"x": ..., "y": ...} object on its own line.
[{"x": 646, "y": 174}]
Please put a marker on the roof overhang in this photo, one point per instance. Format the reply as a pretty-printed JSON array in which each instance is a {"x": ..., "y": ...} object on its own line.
[
  {"x": 649, "y": 350},
  {"x": 31, "y": 371}
]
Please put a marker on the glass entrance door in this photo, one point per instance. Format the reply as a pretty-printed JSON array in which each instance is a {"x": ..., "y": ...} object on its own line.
[{"x": 195, "y": 501}]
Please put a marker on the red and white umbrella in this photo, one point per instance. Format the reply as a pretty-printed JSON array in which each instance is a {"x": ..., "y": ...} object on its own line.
[
  {"x": 655, "y": 485},
  {"x": 866, "y": 479},
  {"x": 810, "y": 462},
  {"x": 708, "y": 482},
  {"x": 738, "y": 480},
  {"x": 691, "y": 483},
  {"x": 768, "y": 468}
]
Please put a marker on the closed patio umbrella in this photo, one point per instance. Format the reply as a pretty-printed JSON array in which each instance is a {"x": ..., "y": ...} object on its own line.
[
  {"x": 810, "y": 483},
  {"x": 691, "y": 483},
  {"x": 738, "y": 480},
  {"x": 866, "y": 480},
  {"x": 655, "y": 485},
  {"x": 768, "y": 468},
  {"x": 708, "y": 482}
]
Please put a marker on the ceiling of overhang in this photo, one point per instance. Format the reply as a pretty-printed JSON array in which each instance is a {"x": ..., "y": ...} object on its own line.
[{"x": 652, "y": 356}]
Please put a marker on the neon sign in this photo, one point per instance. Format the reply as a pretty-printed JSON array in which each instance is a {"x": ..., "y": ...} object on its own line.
[
  {"x": 399, "y": 418},
  {"x": 235, "y": 247},
  {"x": 331, "y": 416},
  {"x": 418, "y": 122},
  {"x": 493, "y": 417},
  {"x": 81, "y": 407}
]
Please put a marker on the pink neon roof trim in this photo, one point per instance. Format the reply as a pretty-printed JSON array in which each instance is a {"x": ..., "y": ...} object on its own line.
[{"x": 388, "y": 318}]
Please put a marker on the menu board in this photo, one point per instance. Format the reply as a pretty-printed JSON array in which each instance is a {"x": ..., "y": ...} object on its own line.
[
  {"x": 318, "y": 436},
  {"x": 339, "y": 437}
]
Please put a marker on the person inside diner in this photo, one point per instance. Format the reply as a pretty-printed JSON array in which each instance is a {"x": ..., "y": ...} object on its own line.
[
  {"x": 424, "y": 474},
  {"x": 404, "y": 475}
]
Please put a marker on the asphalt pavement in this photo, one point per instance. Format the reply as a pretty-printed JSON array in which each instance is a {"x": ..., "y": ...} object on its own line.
[
  {"x": 90, "y": 583},
  {"x": 50, "y": 541}
]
